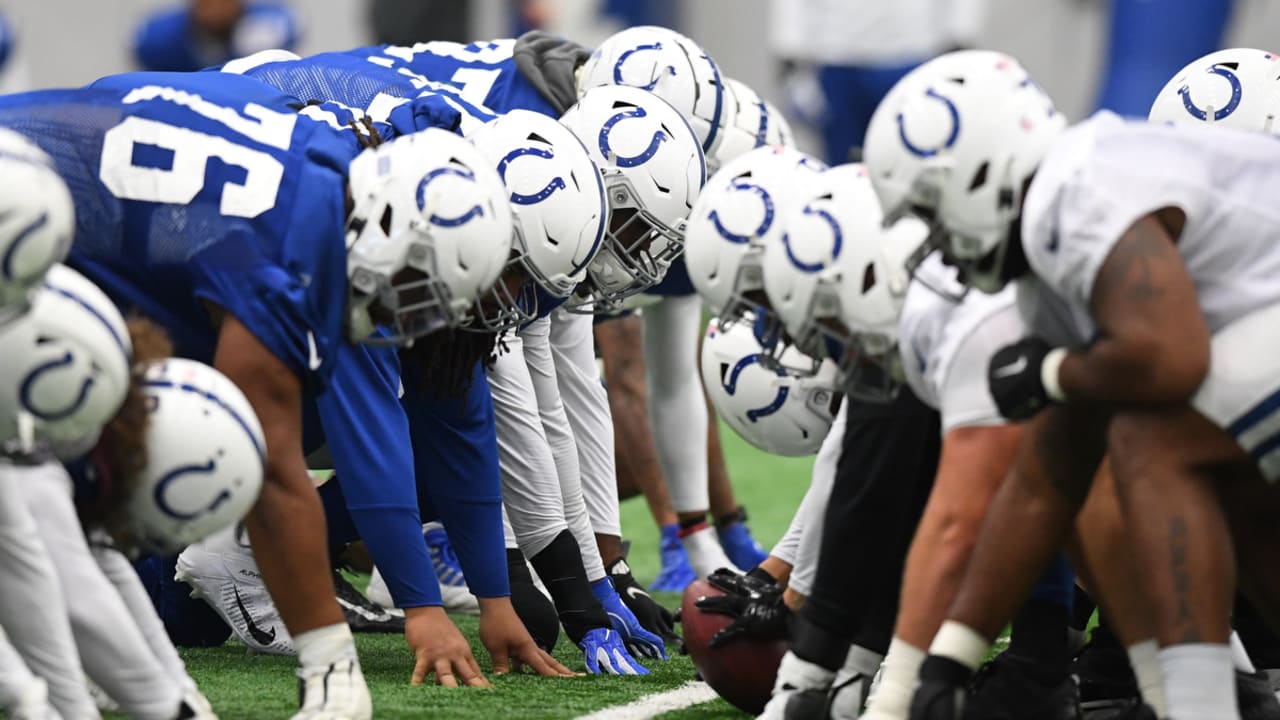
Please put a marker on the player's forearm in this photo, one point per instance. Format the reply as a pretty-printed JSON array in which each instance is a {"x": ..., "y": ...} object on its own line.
[
  {"x": 1129, "y": 373},
  {"x": 394, "y": 539}
]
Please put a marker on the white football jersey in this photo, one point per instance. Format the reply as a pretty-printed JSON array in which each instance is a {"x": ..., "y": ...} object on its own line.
[
  {"x": 946, "y": 345},
  {"x": 1106, "y": 173}
]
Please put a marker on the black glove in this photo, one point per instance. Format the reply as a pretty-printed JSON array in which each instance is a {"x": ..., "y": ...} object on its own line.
[
  {"x": 1015, "y": 378},
  {"x": 940, "y": 694},
  {"x": 652, "y": 616},
  {"x": 755, "y": 604}
]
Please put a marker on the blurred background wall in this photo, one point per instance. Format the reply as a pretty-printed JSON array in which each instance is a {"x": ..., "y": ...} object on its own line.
[{"x": 70, "y": 42}]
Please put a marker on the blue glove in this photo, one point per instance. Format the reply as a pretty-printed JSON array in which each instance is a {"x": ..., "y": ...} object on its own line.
[
  {"x": 638, "y": 640},
  {"x": 604, "y": 653}
]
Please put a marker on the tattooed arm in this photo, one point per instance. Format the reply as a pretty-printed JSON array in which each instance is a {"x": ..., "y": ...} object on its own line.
[{"x": 1152, "y": 347}]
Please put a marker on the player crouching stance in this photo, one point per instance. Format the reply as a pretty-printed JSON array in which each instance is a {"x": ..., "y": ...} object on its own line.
[{"x": 1143, "y": 259}]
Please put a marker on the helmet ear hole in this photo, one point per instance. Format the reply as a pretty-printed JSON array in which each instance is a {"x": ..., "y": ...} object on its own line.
[
  {"x": 979, "y": 177},
  {"x": 868, "y": 278},
  {"x": 385, "y": 221}
]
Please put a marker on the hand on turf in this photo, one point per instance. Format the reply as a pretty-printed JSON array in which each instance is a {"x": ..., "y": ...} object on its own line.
[
  {"x": 604, "y": 654},
  {"x": 941, "y": 692},
  {"x": 509, "y": 643},
  {"x": 1014, "y": 377},
  {"x": 652, "y": 616},
  {"x": 439, "y": 648},
  {"x": 638, "y": 640}
]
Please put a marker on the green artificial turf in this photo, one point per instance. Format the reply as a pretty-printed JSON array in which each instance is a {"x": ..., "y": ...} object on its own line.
[{"x": 257, "y": 686}]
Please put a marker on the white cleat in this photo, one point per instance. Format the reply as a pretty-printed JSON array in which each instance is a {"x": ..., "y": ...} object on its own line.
[
  {"x": 799, "y": 691},
  {"x": 705, "y": 553},
  {"x": 333, "y": 692},
  {"x": 195, "y": 706},
  {"x": 32, "y": 703},
  {"x": 221, "y": 571}
]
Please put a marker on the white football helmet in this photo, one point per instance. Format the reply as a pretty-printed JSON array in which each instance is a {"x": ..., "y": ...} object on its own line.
[
  {"x": 37, "y": 219},
  {"x": 429, "y": 232},
  {"x": 1238, "y": 88},
  {"x": 955, "y": 142},
  {"x": 773, "y": 410},
  {"x": 669, "y": 65},
  {"x": 205, "y": 454},
  {"x": 753, "y": 123},
  {"x": 838, "y": 278},
  {"x": 653, "y": 170},
  {"x": 739, "y": 212},
  {"x": 557, "y": 198},
  {"x": 66, "y": 367}
]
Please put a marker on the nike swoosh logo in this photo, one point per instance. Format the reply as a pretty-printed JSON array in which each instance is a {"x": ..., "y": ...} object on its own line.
[
  {"x": 1012, "y": 369},
  {"x": 313, "y": 358},
  {"x": 263, "y": 638},
  {"x": 633, "y": 592}
]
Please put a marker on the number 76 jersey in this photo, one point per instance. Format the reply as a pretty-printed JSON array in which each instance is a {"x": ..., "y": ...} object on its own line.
[{"x": 195, "y": 188}]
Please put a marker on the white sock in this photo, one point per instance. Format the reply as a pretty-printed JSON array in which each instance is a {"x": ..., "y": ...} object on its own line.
[
  {"x": 704, "y": 551},
  {"x": 1240, "y": 656},
  {"x": 1199, "y": 682},
  {"x": 892, "y": 697},
  {"x": 860, "y": 666},
  {"x": 1144, "y": 658},
  {"x": 801, "y": 674},
  {"x": 961, "y": 643},
  {"x": 325, "y": 645}
]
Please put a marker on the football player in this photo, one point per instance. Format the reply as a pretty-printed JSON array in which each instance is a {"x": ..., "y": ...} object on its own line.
[
  {"x": 269, "y": 299},
  {"x": 1147, "y": 243}
]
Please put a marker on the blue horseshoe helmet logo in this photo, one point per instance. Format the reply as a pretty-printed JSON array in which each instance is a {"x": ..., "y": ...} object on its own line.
[
  {"x": 731, "y": 386},
  {"x": 622, "y": 58},
  {"x": 475, "y": 211},
  {"x": 765, "y": 198},
  {"x": 162, "y": 489},
  {"x": 951, "y": 138},
  {"x": 28, "y": 386},
  {"x": 624, "y": 161},
  {"x": 1224, "y": 111},
  {"x": 837, "y": 242},
  {"x": 556, "y": 183}
]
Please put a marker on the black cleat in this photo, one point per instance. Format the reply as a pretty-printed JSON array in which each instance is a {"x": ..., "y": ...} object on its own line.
[
  {"x": 1255, "y": 697},
  {"x": 1006, "y": 689},
  {"x": 1108, "y": 688},
  {"x": 362, "y": 614}
]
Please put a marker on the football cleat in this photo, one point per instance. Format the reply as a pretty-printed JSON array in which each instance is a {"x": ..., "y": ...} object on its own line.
[
  {"x": 1255, "y": 698},
  {"x": 333, "y": 692},
  {"x": 740, "y": 546},
  {"x": 221, "y": 571},
  {"x": 800, "y": 691},
  {"x": 195, "y": 706},
  {"x": 362, "y": 614},
  {"x": 1003, "y": 689},
  {"x": 676, "y": 573},
  {"x": 32, "y": 702},
  {"x": 453, "y": 586},
  {"x": 605, "y": 654},
  {"x": 1106, "y": 681}
]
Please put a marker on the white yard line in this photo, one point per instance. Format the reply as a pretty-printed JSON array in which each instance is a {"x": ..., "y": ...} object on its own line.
[{"x": 691, "y": 693}]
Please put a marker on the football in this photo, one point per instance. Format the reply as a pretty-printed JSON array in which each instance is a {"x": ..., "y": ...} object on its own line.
[{"x": 742, "y": 671}]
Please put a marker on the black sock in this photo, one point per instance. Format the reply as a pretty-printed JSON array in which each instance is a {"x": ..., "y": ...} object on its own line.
[
  {"x": 535, "y": 610},
  {"x": 560, "y": 567},
  {"x": 1040, "y": 636}
]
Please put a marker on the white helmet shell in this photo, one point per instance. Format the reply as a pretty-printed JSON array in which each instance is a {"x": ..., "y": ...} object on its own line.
[
  {"x": 66, "y": 367},
  {"x": 557, "y": 195},
  {"x": 838, "y": 278},
  {"x": 37, "y": 217},
  {"x": 1237, "y": 88},
  {"x": 958, "y": 137},
  {"x": 669, "y": 65},
  {"x": 739, "y": 212},
  {"x": 205, "y": 455},
  {"x": 773, "y": 410},
  {"x": 653, "y": 168},
  {"x": 753, "y": 123},
  {"x": 431, "y": 203}
]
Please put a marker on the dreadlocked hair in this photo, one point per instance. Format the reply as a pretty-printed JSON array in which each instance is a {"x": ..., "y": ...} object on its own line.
[
  {"x": 443, "y": 362},
  {"x": 123, "y": 445},
  {"x": 367, "y": 135}
]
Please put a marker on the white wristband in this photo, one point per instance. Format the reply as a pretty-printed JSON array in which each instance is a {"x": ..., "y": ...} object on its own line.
[
  {"x": 1049, "y": 374},
  {"x": 960, "y": 643}
]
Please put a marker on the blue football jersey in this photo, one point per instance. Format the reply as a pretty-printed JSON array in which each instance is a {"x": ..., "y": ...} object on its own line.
[
  {"x": 203, "y": 187},
  {"x": 485, "y": 73},
  {"x": 398, "y": 97}
]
